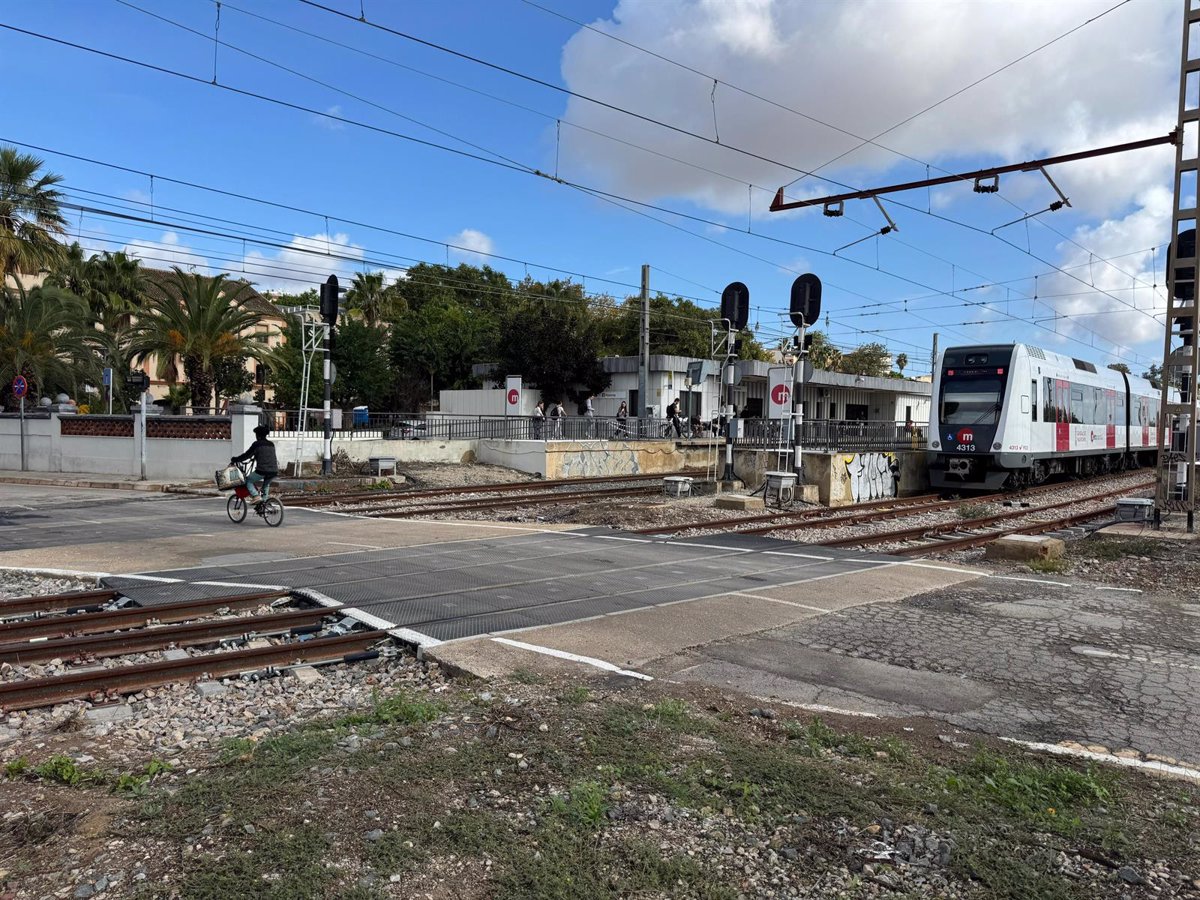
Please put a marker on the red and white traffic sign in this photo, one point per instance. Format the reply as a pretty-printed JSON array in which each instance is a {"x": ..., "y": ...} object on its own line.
[
  {"x": 20, "y": 387},
  {"x": 779, "y": 392},
  {"x": 512, "y": 394}
]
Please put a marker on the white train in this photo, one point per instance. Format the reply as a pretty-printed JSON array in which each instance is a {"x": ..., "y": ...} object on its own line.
[{"x": 1011, "y": 415}]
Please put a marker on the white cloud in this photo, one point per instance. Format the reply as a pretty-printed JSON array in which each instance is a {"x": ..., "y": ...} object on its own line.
[
  {"x": 472, "y": 244},
  {"x": 167, "y": 251},
  {"x": 328, "y": 123},
  {"x": 864, "y": 66}
]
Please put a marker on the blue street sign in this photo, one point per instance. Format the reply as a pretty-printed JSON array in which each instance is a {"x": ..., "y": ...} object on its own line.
[
  {"x": 107, "y": 377},
  {"x": 20, "y": 386}
]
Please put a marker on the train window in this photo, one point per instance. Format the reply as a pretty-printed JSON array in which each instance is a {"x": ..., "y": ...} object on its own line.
[
  {"x": 1078, "y": 414},
  {"x": 1048, "y": 403},
  {"x": 972, "y": 400},
  {"x": 1033, "y": 392}
]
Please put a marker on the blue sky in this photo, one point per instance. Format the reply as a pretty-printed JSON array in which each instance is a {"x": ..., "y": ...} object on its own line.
[{"x": 858, "y": 66}]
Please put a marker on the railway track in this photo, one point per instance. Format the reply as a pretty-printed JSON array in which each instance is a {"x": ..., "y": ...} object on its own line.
[
  {"x": 523, "y": 500},
  {"x": 81, "y": 627},
  {"x": 553, "y": 484},
  {"x": 859, "y": 514},
  {"x": 929, "y": 540}
]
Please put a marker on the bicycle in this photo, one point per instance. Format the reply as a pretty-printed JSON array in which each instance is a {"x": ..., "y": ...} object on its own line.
[{"x": 236, "y": 507}]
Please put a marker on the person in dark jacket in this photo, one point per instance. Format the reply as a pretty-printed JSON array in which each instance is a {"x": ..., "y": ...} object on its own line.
[{"x": 266, "y": 463}]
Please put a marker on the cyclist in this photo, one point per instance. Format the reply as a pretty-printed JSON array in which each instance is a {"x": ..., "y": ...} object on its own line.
[{"x": 266, "y": 463}]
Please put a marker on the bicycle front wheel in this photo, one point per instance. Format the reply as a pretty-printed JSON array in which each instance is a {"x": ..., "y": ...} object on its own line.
[
  {"x": 235, "y": 508},
  {"x": 273, "y": 512}
]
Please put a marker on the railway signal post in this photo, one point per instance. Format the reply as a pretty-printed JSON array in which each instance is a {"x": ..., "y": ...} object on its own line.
[
  {"x": 805, "y": 308},
  {"x": 329, "y": 313},
  {"x": 735, "y": 312}
]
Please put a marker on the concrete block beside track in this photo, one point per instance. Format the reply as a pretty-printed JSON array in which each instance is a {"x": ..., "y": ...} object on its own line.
[
  {"x": 1024, "y": 547},
  {"x": 738, "y": 501}
]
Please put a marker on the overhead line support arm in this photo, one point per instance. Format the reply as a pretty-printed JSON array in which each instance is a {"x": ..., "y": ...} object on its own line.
[{"x": 835, "y": 201}]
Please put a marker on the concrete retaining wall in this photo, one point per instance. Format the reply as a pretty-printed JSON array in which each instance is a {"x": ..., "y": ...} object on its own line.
[
  {"x": 843, "y": 479},
  {"x": 418, "y": 451}
]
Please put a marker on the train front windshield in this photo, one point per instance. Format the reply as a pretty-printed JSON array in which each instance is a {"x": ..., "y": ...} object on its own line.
[{"x": 971, "y": 399}]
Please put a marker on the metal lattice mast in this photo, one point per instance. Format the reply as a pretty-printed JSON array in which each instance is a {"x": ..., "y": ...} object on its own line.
[{"x": 1175, "y": 489}]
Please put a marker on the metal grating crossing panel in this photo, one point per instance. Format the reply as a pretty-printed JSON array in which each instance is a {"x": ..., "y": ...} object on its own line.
[{"x": 467, "y": 588}]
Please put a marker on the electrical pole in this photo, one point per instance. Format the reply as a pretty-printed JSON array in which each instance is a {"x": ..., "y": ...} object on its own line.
[
  {"x": 329, "y": 312},
  {"x": 933, "y": 358},
  {"x": 644, "y": 348}
]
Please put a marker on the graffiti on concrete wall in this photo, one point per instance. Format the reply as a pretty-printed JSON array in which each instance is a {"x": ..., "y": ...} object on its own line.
[
  {"x": 872, "y": 476},
  {"x": 597, "y": 458}
]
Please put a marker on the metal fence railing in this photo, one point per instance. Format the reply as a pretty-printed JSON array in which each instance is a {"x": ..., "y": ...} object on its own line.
[
  {"x": 760, "y": 434},
  {"x": 828, "y": 434}
]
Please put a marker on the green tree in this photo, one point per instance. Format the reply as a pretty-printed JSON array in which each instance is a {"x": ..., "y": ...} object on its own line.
[
  {"x": 822, "y": 354},
  {"x": 552, "y": 339},
  {"x": 198, "y": 321},
  {"x": 867, "y": 359},
  {"x": 1120, "y": 367},
  {"x": 901, "y": 362},
  {"x": 364, "y": 373},
  {"x": 30, "y": 218},
  {"x": 435, "y": 347},
  {"x": 375, "y": 302},
  {"x": 43, "y": 336}
]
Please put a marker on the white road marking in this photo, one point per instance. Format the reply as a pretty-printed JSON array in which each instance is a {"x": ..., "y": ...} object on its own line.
[
  {"x": 1123, "y": 590},
  {"x": 364, "y": 546},
  {"x": 1152, "y": 765},
  {"x": 55, "y": 573},
  {"x": 573, "y": 657},
  {"x": 1085, "y": 650},
  {"x": 777, "y": 600}
]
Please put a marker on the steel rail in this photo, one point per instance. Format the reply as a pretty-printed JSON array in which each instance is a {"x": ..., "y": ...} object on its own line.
[
  {"x": 142, "y": 639},
  {"x": 129, "y": 617},
  {"x": 52, "y": 602},
  {"x": 919, "y": 531},
  {"x": 972, "y": 541},
  {"x": 526, "y": 500},
  {"x": 544, "y": 485},
  {"x": 787, "y": 514},
  {"x": 111, "y": 683}
]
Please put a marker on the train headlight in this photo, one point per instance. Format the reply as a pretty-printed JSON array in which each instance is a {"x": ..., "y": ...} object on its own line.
[
  {"x": 935, "y": 445},
  {"x": 996, "y": 446}
]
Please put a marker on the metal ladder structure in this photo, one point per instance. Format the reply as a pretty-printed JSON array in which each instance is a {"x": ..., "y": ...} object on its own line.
[{"x": 1175, "y": 482}]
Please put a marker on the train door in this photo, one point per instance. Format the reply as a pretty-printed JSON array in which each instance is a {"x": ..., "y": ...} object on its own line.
[
  {"x": 1110, "y": 428},
  {"x": 1062, "y": 411}
]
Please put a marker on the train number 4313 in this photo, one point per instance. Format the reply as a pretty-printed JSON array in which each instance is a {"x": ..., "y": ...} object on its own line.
[{"x": 965, "y": 448}]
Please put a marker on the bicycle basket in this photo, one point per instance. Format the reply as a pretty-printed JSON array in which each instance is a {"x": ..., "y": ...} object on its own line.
[{"x": 229, "y": 478}]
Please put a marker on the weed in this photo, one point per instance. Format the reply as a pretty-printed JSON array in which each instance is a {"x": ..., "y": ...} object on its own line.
[
  {"x": 64, "y": 770},
  {"x": 1047, "y": 566},
  {"x": 526, "y": 676},
  {"x": 287, "y": 865},
  {"x": 671, "y": 713},
  {"x": 574, "y": 696},
  {"x": 397, "y": 709},
  {"x": 1046, "y": 792},
  {"x": 17, "y": 767},
  {"x": 383, "y": 484},
  {"x": 585, "y": 805},
  {"x": 1112, "y": 549},
  {"x": 971, "y": 510},
  {"x": 816, "y": 737}
]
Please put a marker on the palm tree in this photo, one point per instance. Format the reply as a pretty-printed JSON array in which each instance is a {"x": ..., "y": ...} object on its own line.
[
  {"x": 29, "y": 215},
  {"x": 113, "y": 285},
  {"x": 43, "y": 336},
  {"x": 901, "y": 362},
  {"x": 197, "y": 321},
  {"x": 368, "y": 295}
]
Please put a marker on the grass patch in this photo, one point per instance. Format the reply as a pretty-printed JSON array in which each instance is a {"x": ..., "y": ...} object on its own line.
[
  {"x": 1045, "y": 792},
  {"x": 585, "y": 805},
  {"x": 16, "y": 767},
  {"x": 971, "y": 510},
  {"x": 575, "y": 696},
  {"x": 526, "y": 676},
  {"x": 276, "y": 865},
  {"x": 1047, "y": 566},
  {"x": 398, "y": 709},
  {"x": 1112, "y": 549}
]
